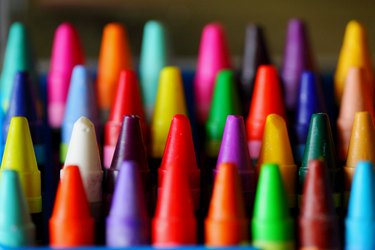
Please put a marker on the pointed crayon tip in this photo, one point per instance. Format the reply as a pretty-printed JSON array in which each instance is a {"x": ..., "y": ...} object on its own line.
[
  {"x": 318, "y": 223},
  {"x": 170, "y": 100},
  {"x": 174, "y": 223},
  {"x": 66, "y": 53},
  {"x": 17, "y": 229},
  {"x": 213, "y": 56},
  {"x": 359, "y": 229},
  {"x": 154, "y": 56},
  {"x": 128, "y": 222},
  {"x": 71, "y": 224},
  {"x": 226, "y": 223},
  {"x": 225, "y": 102},
  {"x": 267, "y": 99}
]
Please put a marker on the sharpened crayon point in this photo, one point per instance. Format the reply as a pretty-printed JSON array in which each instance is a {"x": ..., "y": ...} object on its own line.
[
  {"x": 213, "y": 56},
  {"x": 170, "y": 100},
  {"x": 226, "y": 223},
  {"x": 71, "y": 224}
]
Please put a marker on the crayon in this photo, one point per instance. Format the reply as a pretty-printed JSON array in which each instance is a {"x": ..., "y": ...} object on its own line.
[
  {"x": 213, "y": 56},
  {"x": 127, "y": 102},
  {"x": 267, "y": 99},
  {"x": 318, "y": 223},
  {"x": 16, "y": 227},
  {"x": 255, "y": 54},
  {"x": 355, "y": 52},
  {"x": 359, "y": 222},
  {"x": 81, "y": 101},
  {"x": 320, "y": 146},
  {"x": 297, "y": 58},
  {"x": 66, "y": 53},
  {"x": 71, "y": 224},
  {"x": 226, "y": 223},
  {"x": 114, "y": 56},
  {"x": 361, "y": 147},
  {"x": 355, "y": 99},
  {"x": 128, "y": 222},
  {"x": 276, "y": 149},
  {"x": 271, "y": 225},
  {"x": 174, "y": 223},
  {"x": 179, "y": 150},
  {"x": 154, "y": 56}
]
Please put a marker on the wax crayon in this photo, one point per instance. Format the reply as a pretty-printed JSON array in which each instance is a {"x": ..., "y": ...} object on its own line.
[
  {"x": 154, "y": 56},
  {"x": 170, "y": 100},
  {"x": 179, "y": 151},
  {"x": 127, "y": 102},
  {"x": 71, "y": 224},
  {"x": 271, "y": 225},
  {"x": 359, "y": 222},
  {"x": 129, "y": 147},
  {"x": 310, "y": 101},
  {"x": 318, "y": 223},
  {"x": 226, "y": 223},
  {"x": 255, "y": 54},
  {"x": 128, "y": 222},
  {"x": 174, "y": 223},
  {"x": 225, "y": 102},
  {"x": 16, "y": 227},
  {"x": 361, "y": 147},
  {"x": 297, "y": 58},
  {"x": 234, "y": 149},
  {"x": 213, "y": 56},
  {"x": 276, "y": 149},
  {"x": 267, "y": 99},
  {"x": 319, "y": 145},
  {"x": 114, "y": 56},
  {"x": 355, "y": 52},
  {"x": 18, "y": 57},
  {"x": 81, "y": 101},
  {"x": 355, "y": 99},
  {"x": 66, "y": 53}
]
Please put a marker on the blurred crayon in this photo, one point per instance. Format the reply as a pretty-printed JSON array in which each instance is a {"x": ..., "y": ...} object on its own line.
[
  {"x": 66, "y": 53},
  {"x": 318, "y": 223},
  {"x": 226, "y": 223},
  {"x": 128, "y": 222},
  {"x": 276, "y": 149},
  {"x": 81, "y": 101},
  {"x": 359, "y": 222},
  {"x": 271, "y": 225},
  {"x": 127, "y": 102},
  {"x": 71, "y": 224},
  {"x": 213, "y": 56},
  {"x": 154, "y": 56},
  {"x": 114, "y": 56},
  {"x": 16, "y": 227},
  {"x": 267, "y": 99}
]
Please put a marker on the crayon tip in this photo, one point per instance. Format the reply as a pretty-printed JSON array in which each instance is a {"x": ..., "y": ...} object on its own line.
[
  {"x": 213, "y": 56},
  {"x": 71, "y": 224},
  {"x": 226, "y": 223},
  {"x": 66, "y": 53},
  {"x": 114, "y": 56},
  {"x": 19, "y": 156},
  {"x": 318, "y": 223},
  {"x": 225, "y": 102},
  {"x": 127, "y": 223},
  {"x": 170, "y": 100},
  {"x": 16, "y": 227},
  {"x": 154, "y": 57}
]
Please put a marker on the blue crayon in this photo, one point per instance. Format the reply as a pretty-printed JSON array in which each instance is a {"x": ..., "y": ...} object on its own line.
[{"x": 360, "y": 220}]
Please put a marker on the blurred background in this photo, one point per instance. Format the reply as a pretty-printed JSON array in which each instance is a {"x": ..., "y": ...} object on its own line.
[{"x": 185, "y": 18}]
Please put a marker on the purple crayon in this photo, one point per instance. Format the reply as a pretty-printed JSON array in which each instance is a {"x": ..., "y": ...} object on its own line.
[
  {"x": 297, "y": 57},
  {"x": 128, "y": 222}
]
